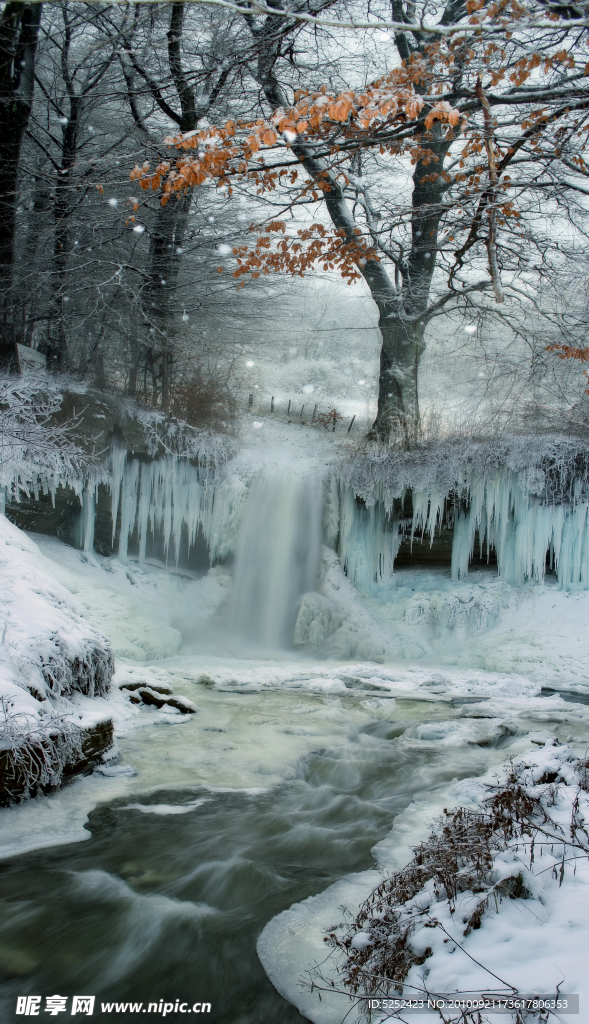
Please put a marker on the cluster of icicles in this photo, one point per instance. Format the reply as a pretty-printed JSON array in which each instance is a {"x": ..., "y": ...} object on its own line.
[
  {"x": 168, "y": 496},
  {"x": 524, "y": 531}
]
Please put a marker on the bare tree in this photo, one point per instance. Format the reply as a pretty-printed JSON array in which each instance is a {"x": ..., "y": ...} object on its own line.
[{"x": 19, "y": 26}]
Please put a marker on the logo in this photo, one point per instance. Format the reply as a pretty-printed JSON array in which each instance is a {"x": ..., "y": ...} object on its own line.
[{"x": 29, "y": 1006}]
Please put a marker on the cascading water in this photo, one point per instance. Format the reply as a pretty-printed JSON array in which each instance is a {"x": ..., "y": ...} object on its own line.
[{"x": 277, "y": 555}]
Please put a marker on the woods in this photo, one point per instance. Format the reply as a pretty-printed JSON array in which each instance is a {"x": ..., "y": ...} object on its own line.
[{"x": 159, "y": 159}]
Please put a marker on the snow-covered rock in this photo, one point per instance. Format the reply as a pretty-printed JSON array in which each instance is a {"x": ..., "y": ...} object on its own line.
[{"x": 52, "y": 663}]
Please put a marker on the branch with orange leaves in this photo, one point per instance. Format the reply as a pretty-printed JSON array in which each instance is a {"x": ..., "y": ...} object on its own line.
[
  {"x": 571, "y": 352},
  {"x": 296, "y": 254},
  {"x": 235, "y": 149}
]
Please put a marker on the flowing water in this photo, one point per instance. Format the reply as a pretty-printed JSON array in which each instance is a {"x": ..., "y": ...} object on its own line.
[
  {"x": 277, "y": 556},
  {"x": 167, "y": 898}
]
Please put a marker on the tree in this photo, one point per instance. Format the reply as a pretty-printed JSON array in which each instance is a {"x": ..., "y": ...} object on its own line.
[
  {"x": 19, "y": 27},
  {"x": 88, "y": 277},
  {"x": 80, "y": 74},
  {"x": 487, "y": 100},
  {"x": 184, "y": 97}
]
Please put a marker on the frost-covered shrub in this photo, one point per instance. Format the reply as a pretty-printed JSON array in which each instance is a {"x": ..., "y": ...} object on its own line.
[
  {"x": 90, "y": 673},
  {"x": 31, "y": 439},
  {"x": 474, "y": 861},
  {"x": 34, "y": 753},
  {"x": 552, "y": 467}
]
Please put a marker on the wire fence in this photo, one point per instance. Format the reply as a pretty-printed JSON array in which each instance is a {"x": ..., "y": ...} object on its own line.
[{"x": 307, "y": 414}]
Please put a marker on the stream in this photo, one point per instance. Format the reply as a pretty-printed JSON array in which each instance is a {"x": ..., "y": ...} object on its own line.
[{"x": 166, "y": 899}]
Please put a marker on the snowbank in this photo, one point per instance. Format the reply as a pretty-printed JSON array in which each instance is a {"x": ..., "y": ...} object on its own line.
[
  {"x": 529, "y": 937},
  {"x": 52, "y": 666}
]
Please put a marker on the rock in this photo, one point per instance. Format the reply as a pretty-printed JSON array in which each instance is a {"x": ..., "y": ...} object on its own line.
[
  {"x": 206, "y": 681},
  {"x": 45, "y": 765},
  {"x": 151, "y": 686},
  {"x": 97, "y": 740},
  {"x": 183, "y": 704},
  {"x": 115, "y": 771},
  {"x": 149, "y": 696}
]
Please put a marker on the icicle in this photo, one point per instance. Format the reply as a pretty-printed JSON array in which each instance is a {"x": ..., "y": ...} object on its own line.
[
  {"x": 128, "y": 507},
  {"x": 462, "y": 544},
  {"x": 369, "y": 540},
  {"x": 117, "y": 463},
  {"x": 88, "y": 518},
  {"x": 143, "y": 511}
]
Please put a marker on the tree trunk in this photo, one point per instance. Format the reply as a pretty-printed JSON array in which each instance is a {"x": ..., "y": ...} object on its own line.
[
  {"x": 32, "y": 300},
  {"x": 402, "y": 311},
  {"x": 19, "y": 26},
  {"x": 56, "y": 347},
  {"x": 403, "y": 345},
  {"x": 166, "y": 252},
  {"x": 403, "y": 331}
]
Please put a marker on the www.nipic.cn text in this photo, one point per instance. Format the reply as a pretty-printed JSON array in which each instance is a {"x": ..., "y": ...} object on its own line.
[{"x": 33, "y": 1006}]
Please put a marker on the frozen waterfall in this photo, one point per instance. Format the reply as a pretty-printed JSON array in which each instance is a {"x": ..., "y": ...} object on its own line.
[
  {"x": 277, "y": 555},
  {"x": 530, "y": 517}
]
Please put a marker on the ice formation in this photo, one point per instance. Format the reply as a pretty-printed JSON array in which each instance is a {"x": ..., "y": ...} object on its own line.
[
  {"x": 506, "y": 510},
  {"x": 529, "y": 507}
]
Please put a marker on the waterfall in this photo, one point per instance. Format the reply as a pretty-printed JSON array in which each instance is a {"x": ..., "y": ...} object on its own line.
[
  {"x": 277, "y": 555},
  {"x": 528, "y": 515}
]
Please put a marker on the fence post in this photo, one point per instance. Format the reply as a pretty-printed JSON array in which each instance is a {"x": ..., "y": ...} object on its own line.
[
  {"x": 351, "y": 422},
  {"x": 314, "y": 411},
  {"x": 272, "y": 404}
]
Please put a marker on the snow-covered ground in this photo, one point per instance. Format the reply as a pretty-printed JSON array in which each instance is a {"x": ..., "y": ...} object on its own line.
[
  {"x": 55, "y": 668},
  {"x": 531, "y": 944}
]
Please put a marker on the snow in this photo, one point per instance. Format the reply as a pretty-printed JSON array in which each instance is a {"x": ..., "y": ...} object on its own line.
[
  {"x": 534, "y": 944},
  {"x": 165, "y": 809},
  {"x": 43, "y": 636}
]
